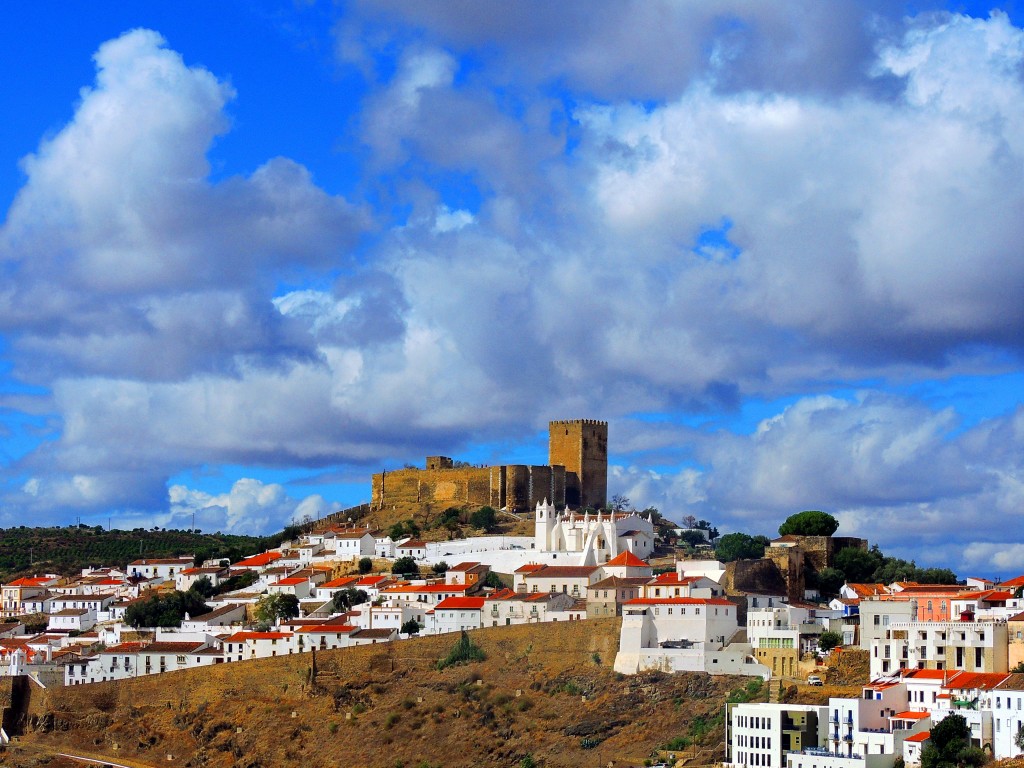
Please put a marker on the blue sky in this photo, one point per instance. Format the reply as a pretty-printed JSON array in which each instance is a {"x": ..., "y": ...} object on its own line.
[{"x": 254, "y": 252}]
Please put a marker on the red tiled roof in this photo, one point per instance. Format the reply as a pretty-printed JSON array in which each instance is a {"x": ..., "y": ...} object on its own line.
[
  {"x": 629, "y": 560},
  {"x": 529, "y": 568},
  {"x": 413, "y": 544},
  {"x": 241, "y": 637},
  {"x": 973, "y": 680},
  {"x": 460, "y": 603},
  {"x": 264, "y": 558},
  {"x": 341, "y": 581},
  {"x": 672, "y": 578},
  {"x": 29, "y": 581},
  {"x": 919, "y": 737},
  {"x": 291, "y": 581},
  {"x": 464, "y": 566},
  {"x": 911, "y": 715},
  {"x": 562, "y": 571},
  {"x": 1017, "y": 581},
  {"x": 925, "y": 674}
]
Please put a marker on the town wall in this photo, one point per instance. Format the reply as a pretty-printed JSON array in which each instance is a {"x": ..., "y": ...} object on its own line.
[
  {"x": 790, "y": 563},
  {"x": 820, "y": 551},
  {"x": 757, "y": 576}
]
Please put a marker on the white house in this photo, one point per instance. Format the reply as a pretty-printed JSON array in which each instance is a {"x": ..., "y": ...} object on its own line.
[
  {"x": 568, "y": 579},
  {"x": 354, "y": 544},
  {"x": 184, "y": 580},
  {"x": 159, "y": 568},
  {"x": 684, "y": 634},
  {"x": 454, "y": 614},
  {"x": 413, "y": 548},
  {"x": 72, "y": 620},
  {"x": 1008, "y": 713},
  {"x": 242, "y": 646},
  {"x": 299, "y": 586}
]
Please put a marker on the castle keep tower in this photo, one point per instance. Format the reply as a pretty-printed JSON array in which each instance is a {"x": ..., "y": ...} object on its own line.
[{"x": 581, "y": 446}]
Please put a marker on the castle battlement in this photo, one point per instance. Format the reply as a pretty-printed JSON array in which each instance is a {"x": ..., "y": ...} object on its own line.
[{"x": 576, "y": 475}]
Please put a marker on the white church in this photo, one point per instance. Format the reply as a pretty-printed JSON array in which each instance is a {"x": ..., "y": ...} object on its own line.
[{"x": 592, "y": 539}]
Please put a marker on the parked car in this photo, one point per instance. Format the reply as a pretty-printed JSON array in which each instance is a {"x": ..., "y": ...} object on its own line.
[{"x": 815, "y": 680}]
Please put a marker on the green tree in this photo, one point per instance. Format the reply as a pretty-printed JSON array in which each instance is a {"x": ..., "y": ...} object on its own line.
[
  {"x": 405, "y": 566},
  {"x": 693, "y": 537},
  {"x": 740, "y": 546},
  {"x": 485, "y": 518},
  {"x": 365, "y": 565},
  {"x": 858, "y": 566},
  {"x": 950, "y": 743},
  {"x": 411, "y": 627},
  {"x": 203, "y": 587},
  {"x": 492, "y": 580},
  {"x": 440, "y": 568},
  {"x": 829, "y": 640},
  {"x": 270, "y": 609},
  {"x": 166, "y": 610},
  {"x": 811, "y": 522},
  {"x": 704, "y": 525},
  {"x": 1019, "y": 738},
  {"x": 345, "y": 598},
  {"x": 830, "y": 580},
  {"x": 241, "y": 581},
  {"x": 619, "y": 502}
]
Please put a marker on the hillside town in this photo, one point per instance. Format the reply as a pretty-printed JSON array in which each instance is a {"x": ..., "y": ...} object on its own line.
[{"x": 933, "y": 649}]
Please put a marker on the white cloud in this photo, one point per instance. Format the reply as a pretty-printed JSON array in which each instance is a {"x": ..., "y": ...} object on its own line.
[{"x": 250, "y": 507}]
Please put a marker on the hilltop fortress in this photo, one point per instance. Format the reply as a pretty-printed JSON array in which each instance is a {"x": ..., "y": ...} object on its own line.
[{"x": 576, "y": 476}]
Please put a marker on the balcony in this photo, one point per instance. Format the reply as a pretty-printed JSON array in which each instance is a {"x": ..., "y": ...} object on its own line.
[{"x": 822, "y": 752}]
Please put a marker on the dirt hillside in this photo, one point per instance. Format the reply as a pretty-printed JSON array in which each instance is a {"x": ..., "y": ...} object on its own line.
[{"x": 546, "y": 691}]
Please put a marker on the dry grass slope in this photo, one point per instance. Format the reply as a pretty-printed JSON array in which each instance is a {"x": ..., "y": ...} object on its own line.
[{"x": 544, "y": 690}]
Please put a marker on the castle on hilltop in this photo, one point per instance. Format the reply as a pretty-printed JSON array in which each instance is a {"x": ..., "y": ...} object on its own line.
[{"x": 575, "y": 476}]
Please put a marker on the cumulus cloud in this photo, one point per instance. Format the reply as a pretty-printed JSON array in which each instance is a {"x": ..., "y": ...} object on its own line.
[
  {"x": 119, "y": 250},
  {"x": 250, "y": 507},
  {"x": 651, "y": 220},
  {"x": 643, "y": 49},
  {"x": 890, "y": 469}
]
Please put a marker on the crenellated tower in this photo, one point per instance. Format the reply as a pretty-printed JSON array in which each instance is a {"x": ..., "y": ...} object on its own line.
[{"x": 581, "y": 446}]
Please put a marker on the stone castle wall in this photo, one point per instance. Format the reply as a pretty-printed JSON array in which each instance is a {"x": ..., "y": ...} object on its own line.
[{"x": 516, "y": 487}]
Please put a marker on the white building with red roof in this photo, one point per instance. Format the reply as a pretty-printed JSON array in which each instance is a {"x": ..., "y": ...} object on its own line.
[
  {"x": 424, "y": 593},
  {"x": 184, "y": 580},
  {"x": 568, "y": 579},
  {"x": 260, "y": 562},
  {"x": 455, "y": 614},
  {"x": 627, "y": 565},
  {"x": 299, "y": 586}
]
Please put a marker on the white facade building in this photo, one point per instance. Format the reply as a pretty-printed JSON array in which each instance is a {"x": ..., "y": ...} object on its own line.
[{"x": 592, "y": 539}]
